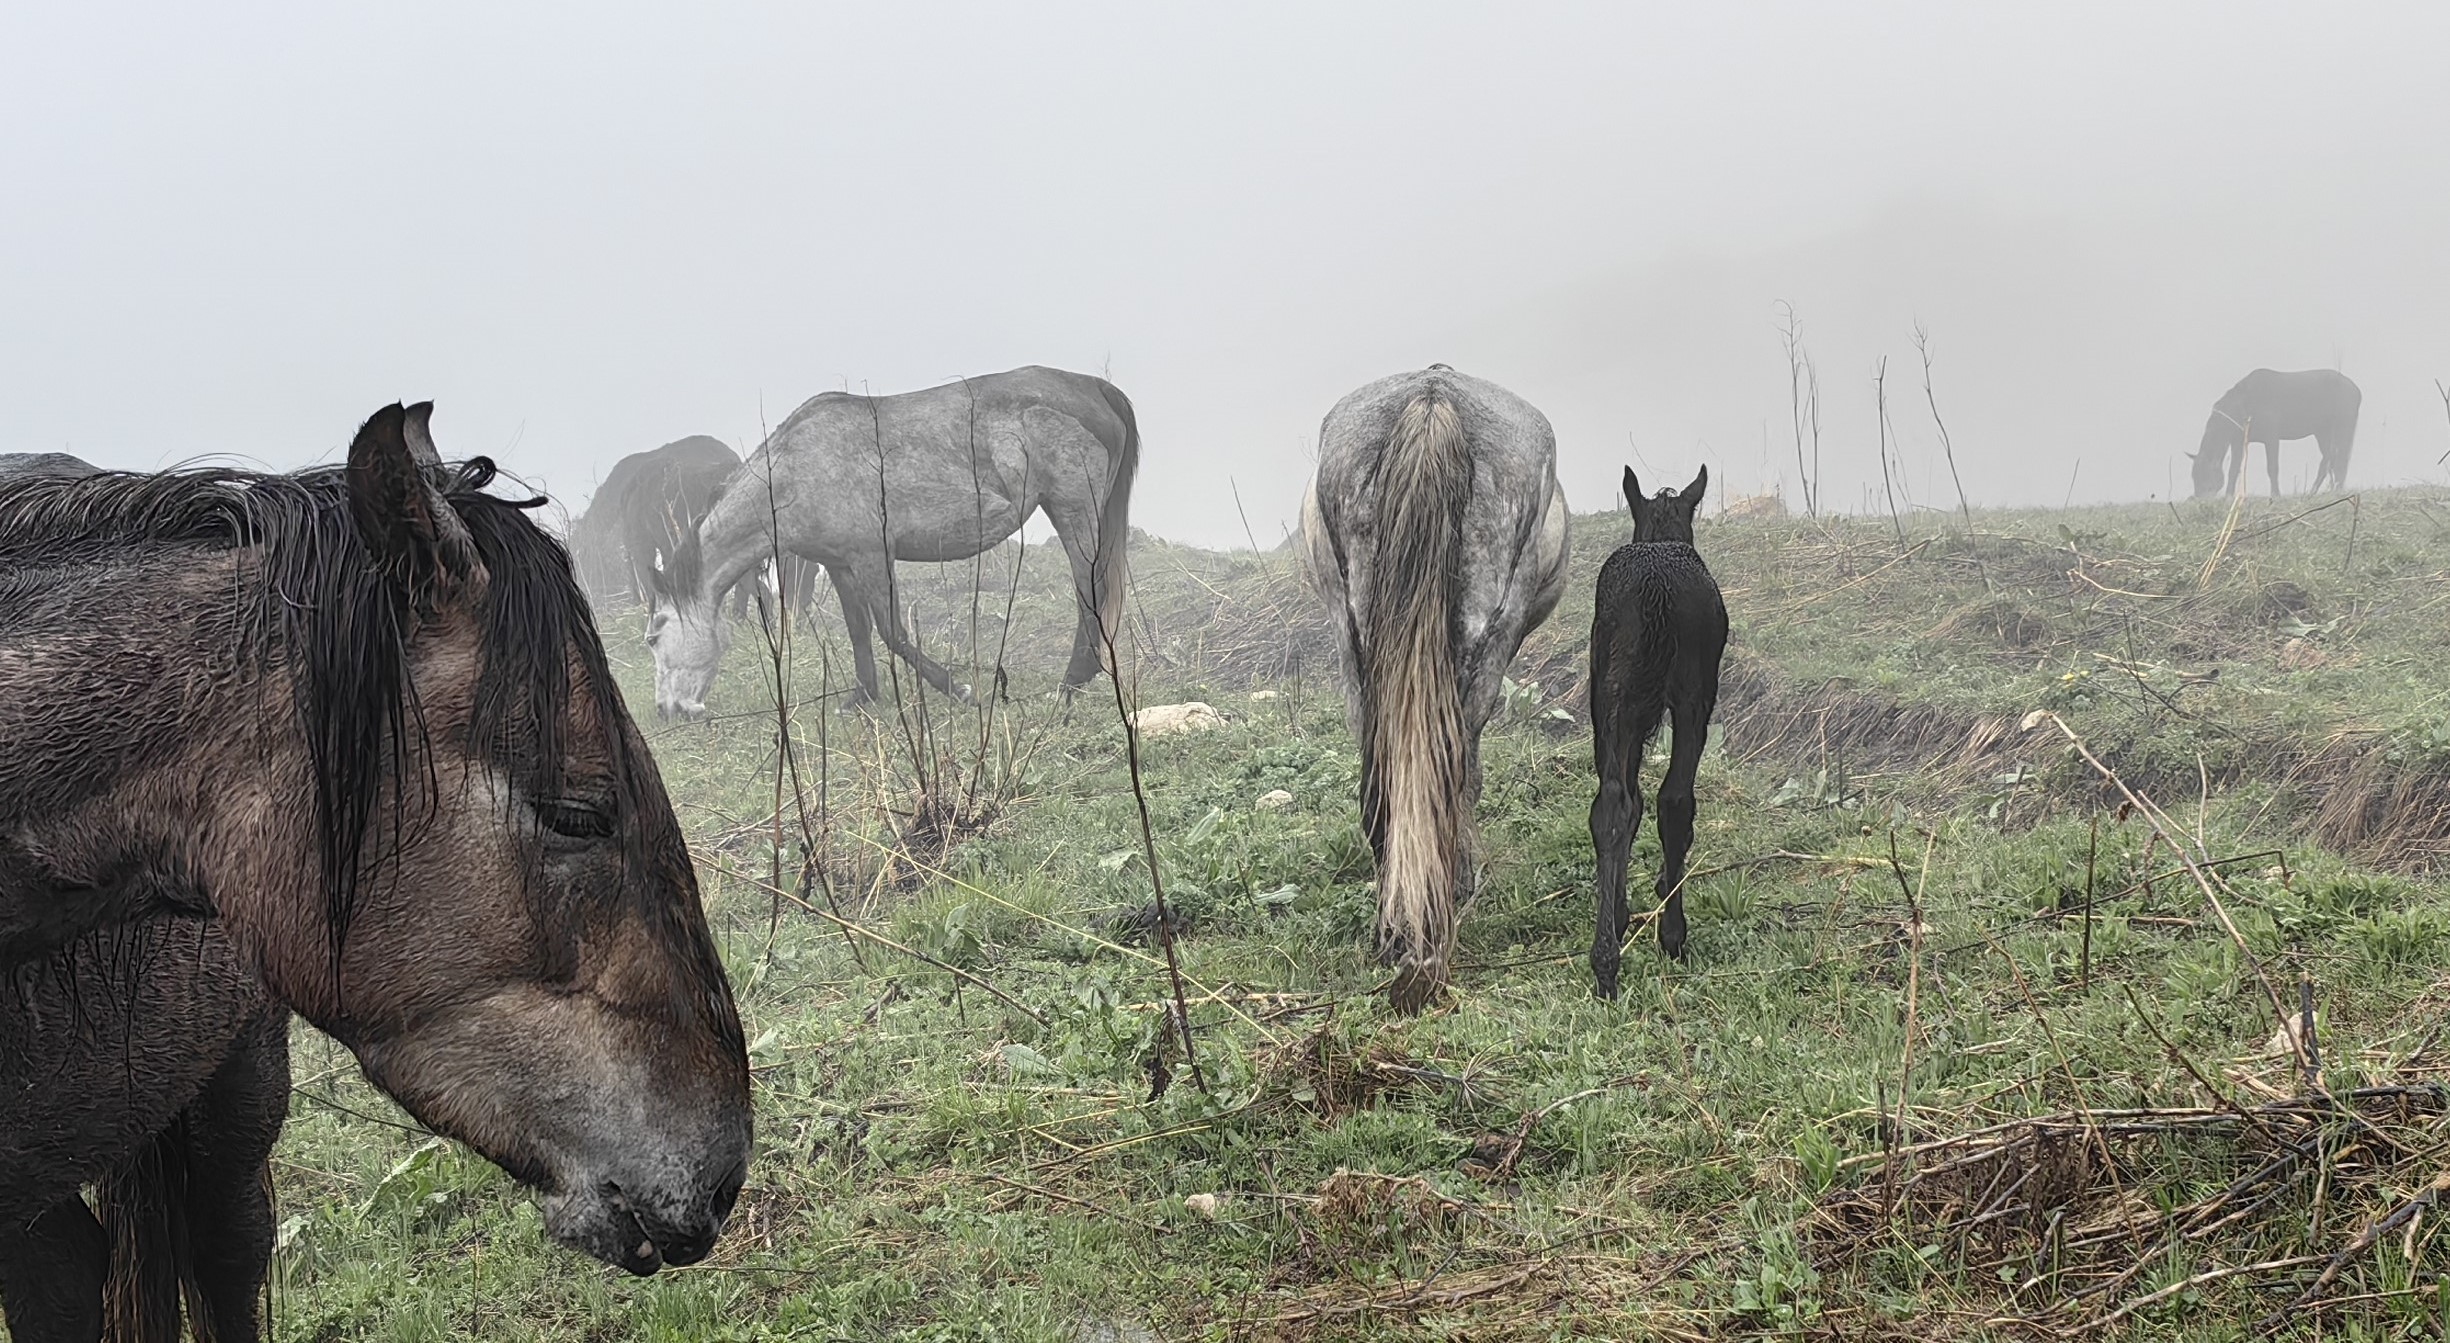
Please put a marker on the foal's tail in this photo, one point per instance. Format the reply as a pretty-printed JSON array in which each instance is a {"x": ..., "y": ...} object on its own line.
[
  {"x": 143, "y": 1214},
  {"x": 1108, "y": 575},
  {"x": 1413, "y": 750}
]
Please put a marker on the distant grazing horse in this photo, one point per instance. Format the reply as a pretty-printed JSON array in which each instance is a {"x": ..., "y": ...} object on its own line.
[
  {"x": 2274, "y": 407},
  {"x": 1658, "y": 630},
  {"x": 1436, "y": 535},
  {"x": 145, "y": 1059},
  {"x": 857, "y": 482},
  {"x": 359, "y": 718},
  {"x": 647, "y": 503}
]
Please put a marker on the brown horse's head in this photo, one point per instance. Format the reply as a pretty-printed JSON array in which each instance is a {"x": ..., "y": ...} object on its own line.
[{"x": 521, "y": 959}]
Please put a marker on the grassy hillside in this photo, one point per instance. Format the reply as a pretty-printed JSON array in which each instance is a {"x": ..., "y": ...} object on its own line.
[{"x": 1919, "y": 914}]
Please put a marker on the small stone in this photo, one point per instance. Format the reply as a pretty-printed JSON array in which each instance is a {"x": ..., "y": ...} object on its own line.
[
  {"x": 1263, "y": 696},
  {"x": 1203, "y": 1204},
  {"x": 1274, "y": 799},
  {"x": 1166, "y": 720}
]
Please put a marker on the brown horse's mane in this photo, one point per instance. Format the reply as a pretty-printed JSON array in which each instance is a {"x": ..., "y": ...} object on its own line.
[{"x": 321, "y": 607}]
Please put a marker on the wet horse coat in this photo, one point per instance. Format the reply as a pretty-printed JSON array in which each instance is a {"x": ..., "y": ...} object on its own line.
[{"x": 145, "y": 1059}]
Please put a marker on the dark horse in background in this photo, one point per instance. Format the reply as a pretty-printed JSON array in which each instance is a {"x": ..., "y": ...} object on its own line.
[
  {"x": 147, "y": 1061},
  {"x": 1436, "y": 535},
  {"x": 1658, "y": 631},
  {"x": 2270, "y": 408},
  {"x": 359, "y": 721},
  {"x": 647, "y": 503}
]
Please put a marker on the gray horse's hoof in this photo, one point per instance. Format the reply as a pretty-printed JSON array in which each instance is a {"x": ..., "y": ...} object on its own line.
[{"x": 858, "y": 701}]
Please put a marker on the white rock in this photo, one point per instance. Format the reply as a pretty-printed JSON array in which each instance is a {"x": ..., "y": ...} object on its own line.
[
  {"x": 1273, "y": 799},
  {"x": 1203, "y": 1204},
  {"x": 1263, "y": 696},
  {"x": 1165, "y": 720}
]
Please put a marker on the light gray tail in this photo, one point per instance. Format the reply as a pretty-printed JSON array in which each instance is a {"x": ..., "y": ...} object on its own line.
[
  {"x": 1413, "y": 750},
  {"x": 1109, "y": 575}
]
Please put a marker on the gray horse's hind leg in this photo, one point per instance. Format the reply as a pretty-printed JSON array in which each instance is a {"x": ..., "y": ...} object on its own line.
[
  {"x": 1080, "y": 543},
  {"x": 856, "y": 622},
  {"x": 51, "y": 1275}
]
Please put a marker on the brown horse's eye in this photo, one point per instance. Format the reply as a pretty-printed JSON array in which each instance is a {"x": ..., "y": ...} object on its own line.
[{"x": 573, "y": 818}]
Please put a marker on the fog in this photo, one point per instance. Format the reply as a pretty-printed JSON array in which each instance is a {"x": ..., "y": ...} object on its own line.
[{"x": 588, "y": 230}]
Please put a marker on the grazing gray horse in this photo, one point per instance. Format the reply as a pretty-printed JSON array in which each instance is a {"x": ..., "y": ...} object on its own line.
[
  {"x": 2268, "y": 407},
  {"x": 857, "y": 482},
  {"x": 1436, "y": 535}
]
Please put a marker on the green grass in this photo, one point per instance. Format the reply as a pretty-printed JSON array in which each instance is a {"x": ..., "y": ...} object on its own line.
[{"x": 934, "y": 1163}]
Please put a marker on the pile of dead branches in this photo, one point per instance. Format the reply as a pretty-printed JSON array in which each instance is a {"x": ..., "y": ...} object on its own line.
[{"x": 2088, "y": 1217}]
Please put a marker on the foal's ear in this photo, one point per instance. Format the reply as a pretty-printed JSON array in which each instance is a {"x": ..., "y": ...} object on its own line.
[
  {"x": 1691, "y": 495},
  {"x": 1633, "y": 490},
  {"x": 402, "y": 519}
]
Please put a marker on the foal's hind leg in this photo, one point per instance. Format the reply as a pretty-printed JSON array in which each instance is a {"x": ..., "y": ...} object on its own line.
[
  {"x": 51, "y": 1275},
  {"x": 1618, "y": 733},
  {"x": 1676, "y": 808}
]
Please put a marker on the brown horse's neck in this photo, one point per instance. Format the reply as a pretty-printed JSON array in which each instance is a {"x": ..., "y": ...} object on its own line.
[{"x": 149, "y": 759}]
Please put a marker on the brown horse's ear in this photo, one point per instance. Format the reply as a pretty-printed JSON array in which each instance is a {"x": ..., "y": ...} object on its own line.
[
  {"x": 1633, "y": 489},
  {"x": 402, "y": 519},
  {"x": 1691, "y": 496}
]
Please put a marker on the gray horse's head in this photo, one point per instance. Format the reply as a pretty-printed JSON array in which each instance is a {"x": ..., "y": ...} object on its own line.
[
  {"x": 1669, "y": 517},
  {"x": 685, "y": 630}
]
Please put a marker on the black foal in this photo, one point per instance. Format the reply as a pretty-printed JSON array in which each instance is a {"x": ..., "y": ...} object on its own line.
[{"x": 1657, "y": 634}]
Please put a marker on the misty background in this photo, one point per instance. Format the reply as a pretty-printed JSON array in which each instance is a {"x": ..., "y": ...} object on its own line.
[{"x": 588, "y": 230}]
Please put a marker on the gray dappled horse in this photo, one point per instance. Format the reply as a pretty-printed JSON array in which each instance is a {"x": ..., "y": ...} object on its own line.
[
  {"x": 1435, "y": 533},
  {"x": 647, "y": 503},
  {"x": 144, "y": 1059},
  {"x": 857, "y": 482},
  {"x": 1658, "y": 631},
  {"x": 359, "y": 719},
  {"x": 2271, "y": 408}
]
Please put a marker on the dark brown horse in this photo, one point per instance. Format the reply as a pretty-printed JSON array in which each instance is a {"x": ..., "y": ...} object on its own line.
[
  {"x": 2269, "y": 408},
  {"x": 361, "y": 719},
  {"x": 145, "y": 1060}
]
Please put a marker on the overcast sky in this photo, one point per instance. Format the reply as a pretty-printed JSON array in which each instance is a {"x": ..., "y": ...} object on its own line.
[{"x": 586, "y": 230}]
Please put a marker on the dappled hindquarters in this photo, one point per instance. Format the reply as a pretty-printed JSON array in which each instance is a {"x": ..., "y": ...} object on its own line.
[{"x": 2068, "y": 949}]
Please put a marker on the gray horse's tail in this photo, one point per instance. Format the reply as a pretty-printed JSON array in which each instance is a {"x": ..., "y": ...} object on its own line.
[
  {"x": 151, "y": 1258},
  {"x": 1109, "y": 574},
  {"x": 1413, "y": 750}
]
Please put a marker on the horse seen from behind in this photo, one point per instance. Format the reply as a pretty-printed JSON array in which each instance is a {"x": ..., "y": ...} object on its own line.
[
  {"x": 1658, "y": 632},
  {"x": 359, "y": 720},
  {"x": 1435, "y": 533},
  {"x": 2270, "y": 408}
]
